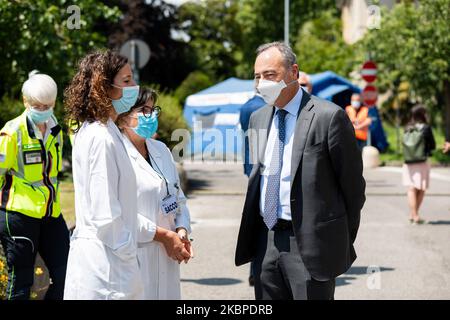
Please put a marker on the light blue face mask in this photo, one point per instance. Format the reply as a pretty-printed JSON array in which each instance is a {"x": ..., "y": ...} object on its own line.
[
  {"x": 39, "y": 116},
  {"x": 128, "y": 99},
  {"x": 146, "y": 127}
]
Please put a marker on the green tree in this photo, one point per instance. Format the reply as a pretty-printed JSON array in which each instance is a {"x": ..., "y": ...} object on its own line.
[
  {"x": 36, "y": 35},
  {"x": 171, "y": 118},
  {"x": 413, "y": 46},
  {"x": 153, "y": 22},
  {"x": 214, "y": 35},
  {"x": 263, "y": 21},
  {"x": 193, "y": 83},
  {"x": 320, "y": 46}
]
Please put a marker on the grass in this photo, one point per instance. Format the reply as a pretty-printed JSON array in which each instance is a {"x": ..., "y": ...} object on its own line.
[
  {"x": 392, "y": 156},
  {"x": 68, "y": 202}
]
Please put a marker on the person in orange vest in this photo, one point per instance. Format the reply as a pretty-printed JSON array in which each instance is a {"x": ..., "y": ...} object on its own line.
[{"x": 359, "y": 116}]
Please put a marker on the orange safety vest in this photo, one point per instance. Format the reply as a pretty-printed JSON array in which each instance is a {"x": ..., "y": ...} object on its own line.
[{"x": 359, "y": 116}]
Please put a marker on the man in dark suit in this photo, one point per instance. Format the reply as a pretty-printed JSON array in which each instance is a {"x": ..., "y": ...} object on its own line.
[
  {"x": 306, "y": 189},
  {"x": 253, "y": 104}
]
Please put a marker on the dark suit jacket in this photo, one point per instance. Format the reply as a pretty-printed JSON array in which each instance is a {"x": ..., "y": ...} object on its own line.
[
  {"x": 327, "y": 188},
  {"x": 247, "y": 109}
]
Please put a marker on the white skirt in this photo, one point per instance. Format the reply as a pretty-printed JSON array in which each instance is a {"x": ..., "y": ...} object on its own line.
[{"x": 416, "y": 175}]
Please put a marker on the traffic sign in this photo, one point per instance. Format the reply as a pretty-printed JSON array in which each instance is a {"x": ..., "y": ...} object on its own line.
[
  {"x": 137, "y": 51},
  {"x": 369, "y": 95},
  {"x": 369, "y": 71}
]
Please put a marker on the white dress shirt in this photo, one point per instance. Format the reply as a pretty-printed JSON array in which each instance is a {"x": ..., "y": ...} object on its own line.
[{"x": 284, "y": 206}]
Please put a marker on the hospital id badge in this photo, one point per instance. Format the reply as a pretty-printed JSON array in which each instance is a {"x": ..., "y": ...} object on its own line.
[{"x": 169, "y": 205}]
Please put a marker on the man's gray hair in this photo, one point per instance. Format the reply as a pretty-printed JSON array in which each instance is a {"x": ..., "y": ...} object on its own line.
[{"x": 289, "y": 56}]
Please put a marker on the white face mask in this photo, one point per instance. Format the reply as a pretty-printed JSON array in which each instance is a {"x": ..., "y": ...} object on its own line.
[
  {"x": 270, "y": 90},
  {"x": 356, "y": 104}
]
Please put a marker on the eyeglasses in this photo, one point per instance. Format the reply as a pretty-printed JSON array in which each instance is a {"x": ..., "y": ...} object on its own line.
[
  {"x": 41, "y": 108},
  {"x": 148, "y": 111}
]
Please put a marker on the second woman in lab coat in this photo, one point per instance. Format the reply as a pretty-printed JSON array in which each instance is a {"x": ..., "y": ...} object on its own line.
[{"x": 161, "y": 251}]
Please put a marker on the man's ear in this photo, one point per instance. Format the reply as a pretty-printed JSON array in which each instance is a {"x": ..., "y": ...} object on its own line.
[{"x": 295, "y": 71}]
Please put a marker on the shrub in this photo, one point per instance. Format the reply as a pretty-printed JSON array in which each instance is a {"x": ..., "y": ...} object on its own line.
[
  {"x": 193, "y": 83},
  {"x": 171, "y": 118},
  {"x": 10, "y": 109}
]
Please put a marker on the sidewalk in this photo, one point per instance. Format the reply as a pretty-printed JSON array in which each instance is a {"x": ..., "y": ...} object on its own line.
[{"x": 413, "y": 261}]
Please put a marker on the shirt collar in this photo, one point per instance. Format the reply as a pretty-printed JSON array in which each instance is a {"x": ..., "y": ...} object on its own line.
[{"x": 293, "y": 106}]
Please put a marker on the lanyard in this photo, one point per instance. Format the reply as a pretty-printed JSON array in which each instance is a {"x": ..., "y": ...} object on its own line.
[{"x": 159, "y": 172}]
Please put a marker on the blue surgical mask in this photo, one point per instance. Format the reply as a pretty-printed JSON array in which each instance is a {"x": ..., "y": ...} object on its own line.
[
  {"x": 39, "y": 116},
  {"x": 146, "y": 127},
  {"x": 128, "y": 99}
]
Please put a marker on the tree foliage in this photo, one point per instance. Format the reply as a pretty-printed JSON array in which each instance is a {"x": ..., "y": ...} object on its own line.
[
  {"x": 263, "y": 21},
  {"x": 153, "y": 21},
  {"x": 320, "y": 46},
  {"x": 413, "y": 46},
  {"x": 35, "y": 35},
  {"x": 193, "y": 83},
  {"x": 214, "y": 35}
]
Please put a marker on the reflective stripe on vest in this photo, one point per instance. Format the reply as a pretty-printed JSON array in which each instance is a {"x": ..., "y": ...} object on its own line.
[
  {"x": 35, "y": 184},
  {"x": 35, "y": 163}
]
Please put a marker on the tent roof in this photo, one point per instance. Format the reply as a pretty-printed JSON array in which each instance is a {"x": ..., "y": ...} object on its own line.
[
  {"x": 231, "y": 91},
  {"x": 326, "y": 84},
  {"x": 229, "y": 86}
]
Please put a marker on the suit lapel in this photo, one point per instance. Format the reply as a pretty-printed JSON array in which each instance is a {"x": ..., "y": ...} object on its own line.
[
  {"x": 301, "y": 132},
  {"x": 261, "y": 124}
]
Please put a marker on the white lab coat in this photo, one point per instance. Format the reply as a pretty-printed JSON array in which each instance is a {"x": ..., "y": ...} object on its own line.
[
  {"x": 102, "y": 261},
  {"x": 160, "y": 274}
]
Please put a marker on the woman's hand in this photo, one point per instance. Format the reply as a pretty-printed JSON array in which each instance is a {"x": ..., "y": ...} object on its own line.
[
  {"x": 173, "y": 244},
  {"x": 183, "y": 234}
]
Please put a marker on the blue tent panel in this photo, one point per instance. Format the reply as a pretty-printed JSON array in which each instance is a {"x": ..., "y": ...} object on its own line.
[
  {"x": 377, "y": 134},
  {"x": 331, "y": 90},
  {"x": 322, "y": 81},
  {"x": 227, "y": 97},
  {"x": 231, "y": 85}
]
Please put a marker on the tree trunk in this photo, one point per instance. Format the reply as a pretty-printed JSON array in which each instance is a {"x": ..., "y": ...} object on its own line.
[{"x": 447, "y": 109}]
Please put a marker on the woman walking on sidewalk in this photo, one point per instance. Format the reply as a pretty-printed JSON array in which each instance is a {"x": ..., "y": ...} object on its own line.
[{"x": 418, "y": 144}]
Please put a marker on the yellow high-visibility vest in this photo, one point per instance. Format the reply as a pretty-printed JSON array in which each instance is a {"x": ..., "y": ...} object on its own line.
[{"x": 29, "y": 169}]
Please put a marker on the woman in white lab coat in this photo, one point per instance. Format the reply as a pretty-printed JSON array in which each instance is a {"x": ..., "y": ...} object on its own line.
[
  {"x": 160, "y": 252},
  {"x": 102, "y": 261}
]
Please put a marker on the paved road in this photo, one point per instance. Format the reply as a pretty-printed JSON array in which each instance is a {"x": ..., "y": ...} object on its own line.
[{"x": 409, "y": 262}]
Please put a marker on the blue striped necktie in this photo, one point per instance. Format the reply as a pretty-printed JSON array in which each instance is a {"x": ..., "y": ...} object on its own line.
[{"x": 272, "y": 197}]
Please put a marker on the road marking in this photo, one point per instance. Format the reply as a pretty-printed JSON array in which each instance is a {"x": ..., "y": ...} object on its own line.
[{"x": 433, "y": 175}]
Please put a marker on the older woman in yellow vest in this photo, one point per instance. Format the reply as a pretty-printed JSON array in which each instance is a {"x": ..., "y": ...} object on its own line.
[{"x": 30, "y": 213}]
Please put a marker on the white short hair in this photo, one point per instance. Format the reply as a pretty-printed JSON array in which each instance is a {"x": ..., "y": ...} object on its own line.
[{"x": 40, "y": 88}]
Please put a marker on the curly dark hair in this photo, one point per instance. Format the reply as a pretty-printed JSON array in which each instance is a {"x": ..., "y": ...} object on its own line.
[{"x": 86, "y": 97}]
